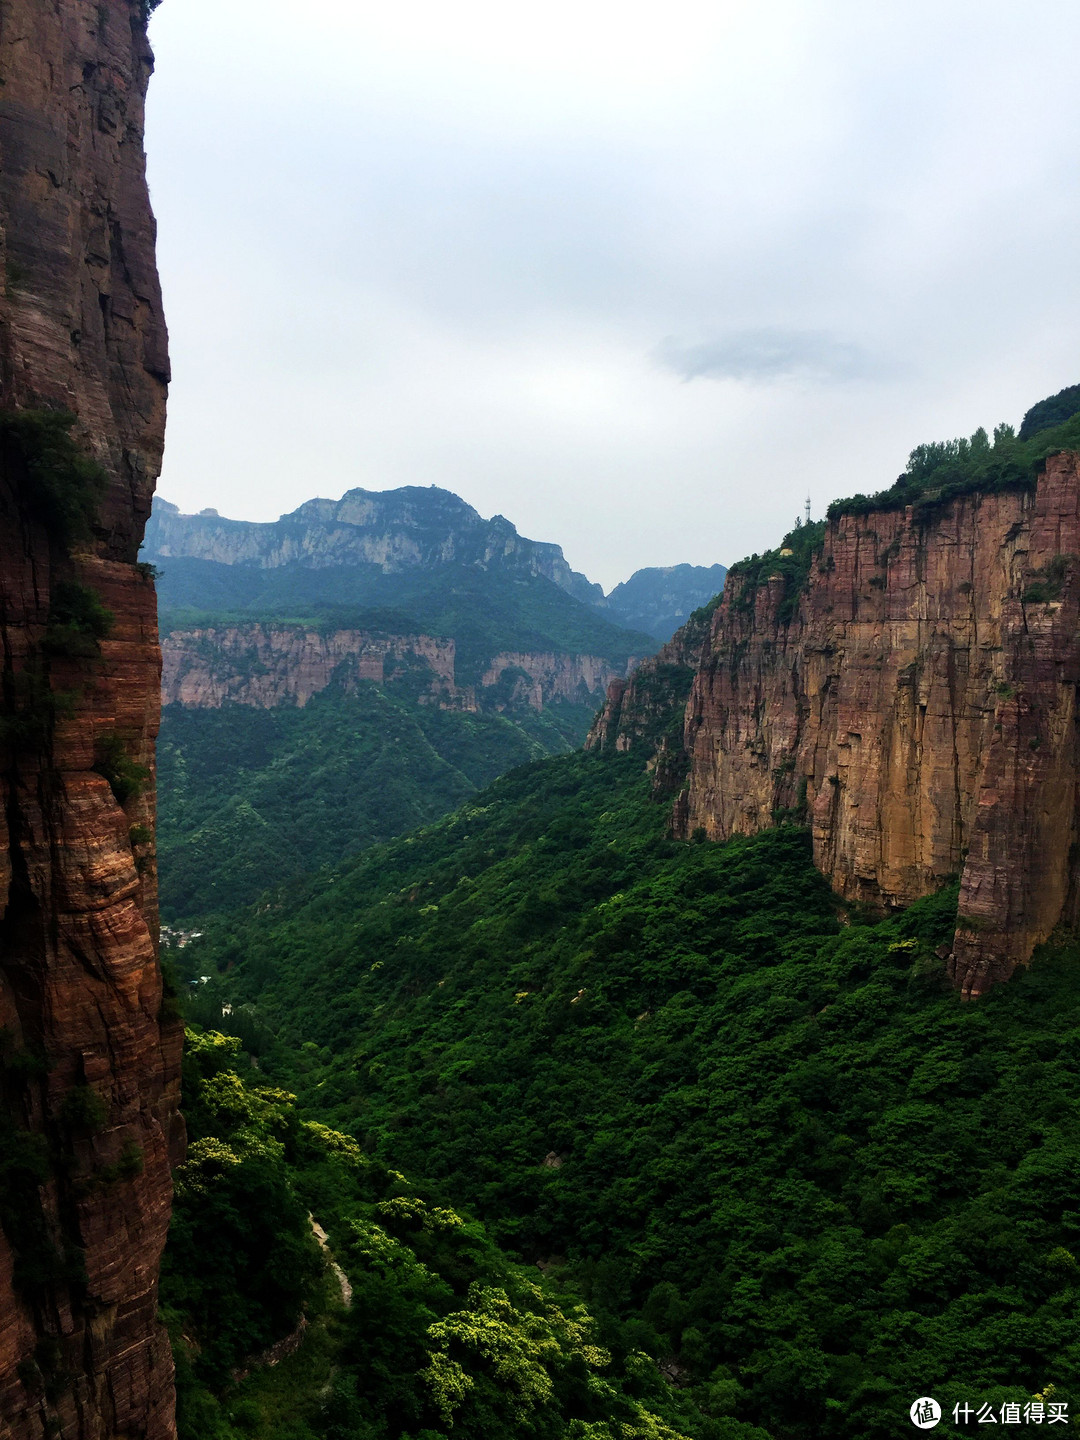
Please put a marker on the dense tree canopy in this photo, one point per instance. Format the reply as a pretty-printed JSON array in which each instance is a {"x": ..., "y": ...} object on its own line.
[{"x": 748, "y": 1124}]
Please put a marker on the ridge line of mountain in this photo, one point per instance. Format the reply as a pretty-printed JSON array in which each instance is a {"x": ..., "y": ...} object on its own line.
[{"x": 411, "y": 530}]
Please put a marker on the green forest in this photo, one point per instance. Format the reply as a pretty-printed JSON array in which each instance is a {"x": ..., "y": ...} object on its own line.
[
  {"x": 793, "y": 1180},
  {"x": 483, "y": 609},
  {"x": 251, "y": 798}
]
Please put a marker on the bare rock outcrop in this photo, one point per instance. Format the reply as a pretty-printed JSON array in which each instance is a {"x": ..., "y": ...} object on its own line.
[
  {"x": 918, "y": 705},
  {"x": 89, "y": 1054},
  {"x": 267, "y": 665},
  {"x": 538, "y": 679},
  {"x": 393, "y": 531}
]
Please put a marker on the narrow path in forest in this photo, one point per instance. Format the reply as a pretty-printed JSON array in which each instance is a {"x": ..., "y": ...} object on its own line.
[{"x": 342, "y": 1279}]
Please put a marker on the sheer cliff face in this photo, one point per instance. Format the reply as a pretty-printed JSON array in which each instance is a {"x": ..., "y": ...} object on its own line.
[
  {"x": 90, "y": 1066},
  {"x": 921, "y": 705},
  {"x": 267, "y": 665}
]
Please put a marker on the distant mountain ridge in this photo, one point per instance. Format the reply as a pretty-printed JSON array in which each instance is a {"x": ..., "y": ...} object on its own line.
[
  {"x": 661, "y": 598},
  {"x": 399, "y": 549},
  {"x": 392, "y": 530}
]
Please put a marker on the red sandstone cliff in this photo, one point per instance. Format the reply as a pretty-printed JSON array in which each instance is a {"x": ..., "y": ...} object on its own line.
[
  {"x": 90, "y": 1062},
  {"x": 921, "y": 703}
]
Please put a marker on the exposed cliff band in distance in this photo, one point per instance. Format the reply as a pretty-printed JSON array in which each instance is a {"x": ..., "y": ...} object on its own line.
[
  {"x": 913, "y": 694},
  {"x": 89, "y": 1053},
  {"x": 265, "y": 665}
]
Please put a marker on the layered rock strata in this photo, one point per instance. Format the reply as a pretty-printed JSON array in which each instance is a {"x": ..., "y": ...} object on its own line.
[
  {"x": 89, "y": 1056},
  {"x": 267, "y": 665},
  {"x": 393, "y": 531},
  {"x": 919, "y": 708},
  {"x": 536, "y": 679}
]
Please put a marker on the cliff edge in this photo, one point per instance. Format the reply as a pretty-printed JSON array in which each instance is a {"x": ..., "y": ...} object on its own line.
[
  {"x": 89, "y": 1051},
  {"x": 914, "y": 699}
]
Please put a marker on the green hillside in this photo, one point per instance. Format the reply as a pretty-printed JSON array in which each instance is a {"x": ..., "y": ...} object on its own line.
[
  {"x": 250, "y": 798},
  {"x": 483, "y": 610},
  {"x": 618, "y": 1138},
  {"x": 750, "y": 1127}
]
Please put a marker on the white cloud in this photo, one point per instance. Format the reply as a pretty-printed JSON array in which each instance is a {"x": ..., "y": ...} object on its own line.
[
  {"x": 485, "y": 246},
  {"x": 767, "y": 355}
]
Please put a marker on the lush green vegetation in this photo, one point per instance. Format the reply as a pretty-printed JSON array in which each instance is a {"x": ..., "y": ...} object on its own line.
[
  {"x": 485, "y": 610},
  {"x": 78, "y": 621},
  {"x": 445, "y": 1335},
  {"x": 545, "y": 1058},
  {"x": 125, "y": 775},
  {"x": 791, "y": 560},
  {"x": 756, "y": 1131},
  {"x": 1051, "y": 412},
  {"x": 939, "y": 473},
  {"x": 250, "y": 798},
  {"x": 62, "y": 487}
]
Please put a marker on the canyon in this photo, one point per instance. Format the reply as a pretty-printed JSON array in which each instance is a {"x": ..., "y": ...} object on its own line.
[
  {"x": 90, "y": 1045},
  {"x": 914, "y": 699}
]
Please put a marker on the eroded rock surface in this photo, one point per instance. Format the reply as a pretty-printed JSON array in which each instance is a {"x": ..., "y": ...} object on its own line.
[
  {"x": 90, "y": 1056},
  {"x": 267, "y": 665},
  {"x": 920, "y": 708}
]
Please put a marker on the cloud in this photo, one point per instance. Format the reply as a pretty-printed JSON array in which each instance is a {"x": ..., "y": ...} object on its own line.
[
  {"x": 449, "y": 257},
  {"x": 766, "y": 355}
]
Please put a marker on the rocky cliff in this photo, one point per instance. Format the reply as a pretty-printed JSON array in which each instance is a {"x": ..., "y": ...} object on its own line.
[
  {"x": 916, "y": 701},
  {"x": 267, "y": 665},
  {"x": 392, "y": 530},
  {"x": 89, "y": 1057}
]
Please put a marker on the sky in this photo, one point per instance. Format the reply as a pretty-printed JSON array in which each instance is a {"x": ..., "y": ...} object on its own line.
[{"x": 639, "y": 276}]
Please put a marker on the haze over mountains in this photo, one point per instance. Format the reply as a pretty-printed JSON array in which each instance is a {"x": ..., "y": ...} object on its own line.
[
  {"x": 381, "y": 548},
  {"x": 401, "y": 652}
]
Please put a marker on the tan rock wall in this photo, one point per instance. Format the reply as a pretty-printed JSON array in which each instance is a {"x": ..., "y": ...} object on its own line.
[
  {"x": 267, "y": 665},
  {"x": 546, "y": 677},
  {"x": 81, "y": 1007},
  {"x": 919, "y": 709}
]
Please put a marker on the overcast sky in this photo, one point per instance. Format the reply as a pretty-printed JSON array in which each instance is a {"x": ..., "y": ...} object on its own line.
[{"x": 638, "y": 276}]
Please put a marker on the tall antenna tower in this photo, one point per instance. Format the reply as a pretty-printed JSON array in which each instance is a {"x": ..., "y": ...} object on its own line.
[{"x": 808, "y": 509}]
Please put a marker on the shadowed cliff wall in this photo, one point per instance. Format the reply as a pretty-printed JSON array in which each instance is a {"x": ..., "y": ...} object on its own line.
[
  {"x": 920, "y": 708},
  {"x": 89, "y": 1057}
]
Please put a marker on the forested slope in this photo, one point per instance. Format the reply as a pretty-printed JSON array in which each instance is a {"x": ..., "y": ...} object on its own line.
[
  {"x": 251, "y": 798},
  {"x": 794, "y": 1177},
  {"x": 749, "y": 1125},
  {"x": 254, "y": 796}
]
